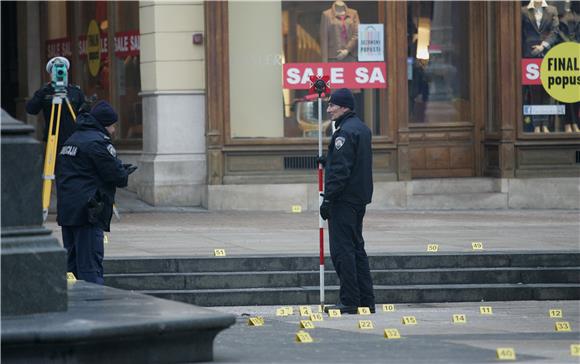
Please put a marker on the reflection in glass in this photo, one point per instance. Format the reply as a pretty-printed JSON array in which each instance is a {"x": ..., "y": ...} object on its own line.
[{"x": 438, "y": 61}]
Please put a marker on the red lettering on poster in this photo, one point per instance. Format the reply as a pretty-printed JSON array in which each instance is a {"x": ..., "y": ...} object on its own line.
[
  {"x": 531, "y": 71},
  {"x": 343, "y": 74}
]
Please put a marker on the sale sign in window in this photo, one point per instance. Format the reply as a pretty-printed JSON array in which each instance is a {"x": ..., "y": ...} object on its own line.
[{"x": 350, "y": 75}]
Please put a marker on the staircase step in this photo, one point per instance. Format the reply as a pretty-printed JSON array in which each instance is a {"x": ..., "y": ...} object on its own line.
[
  {"x": 271, "y": 279},
  {"x": 260, "y": 263},
  {"x": 444, "y": 186},
  {"x": 383, "y": 294},
  {"x": 458, "y": 201}
]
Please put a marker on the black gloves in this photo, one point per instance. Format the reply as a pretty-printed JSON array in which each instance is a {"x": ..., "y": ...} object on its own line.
[
  {"x": 129, "y": 168},
  {"x": 321, "y": 160},
  {"x": 46, "y": 90},
  {"x": 325, "y": 209}
]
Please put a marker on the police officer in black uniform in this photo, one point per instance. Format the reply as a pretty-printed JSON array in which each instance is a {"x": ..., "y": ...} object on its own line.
[
  {"x": 42, "y": 100},
  {"x": 87, "y": 179},
  {"x": 348, "y": 188}
]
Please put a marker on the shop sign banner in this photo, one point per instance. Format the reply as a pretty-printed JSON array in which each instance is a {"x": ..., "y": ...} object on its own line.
[
  {"x": 58, "y": 47},
  {"x": 127, "y": 44},
  {"x": 371, "y": 43},
  {"x": 531, "y": 71},
  {"x": 342, "y": 74},
  {"x": 104, "y": 46}
]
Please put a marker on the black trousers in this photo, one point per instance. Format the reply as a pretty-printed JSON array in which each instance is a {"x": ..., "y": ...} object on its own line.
[
  {"x": 347, "y": 250},
  {"x": 85, "y": 251}
]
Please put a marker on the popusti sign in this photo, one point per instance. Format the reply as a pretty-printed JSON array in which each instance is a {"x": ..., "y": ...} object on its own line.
[{"x": 342, "y": 74}]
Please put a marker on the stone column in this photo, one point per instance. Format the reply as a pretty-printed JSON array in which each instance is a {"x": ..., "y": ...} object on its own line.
[
  {"x": 173, "y": 164},
  {"x": 33, "y": 262}
]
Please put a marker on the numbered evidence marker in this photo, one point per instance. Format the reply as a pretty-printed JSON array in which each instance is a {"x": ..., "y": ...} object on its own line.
[
  {"x": 316, "y": 317},
  {"x": 432, "y": 248},
  {"x": 289, "y": 310},
  {"x": 256, "y": 321},
  {"x": 334, "y": 313},
  {"x": 306, "y": 324},
  {"x": 365, "y": 325},
  {"x": 459, "y": 318},
  {"x": 575, "y": 349},
  {"x": 476, "y": 245},
  {"x": 485, "y": 310},
  {"x": 364, "y": 311},
  {"x": 281, "y": 311},
  {"x": 296, "y": 209},
  {"x": 305, "y": 311},
  {"x": 409, "y": 320},
  {"x": 556, "y": 313},
  {"x": 392, "y": 334},
  {"x": 303, "y": 337},
  {"x": 219, "y": 252},
  {"x": 563, "y": 326},
  {"x": 506, "y": 353},
  {"x": 389, "y": 308},
  {"x": 105, "y": 239},
  {"x": 70, "y": 277}
]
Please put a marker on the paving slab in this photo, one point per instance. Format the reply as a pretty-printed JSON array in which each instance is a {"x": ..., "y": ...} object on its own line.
[{"x": 524, "y": 326}]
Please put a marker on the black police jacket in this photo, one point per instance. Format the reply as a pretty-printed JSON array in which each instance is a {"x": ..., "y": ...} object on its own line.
[
  {"x": 88, "y": 173},
  {"x": 348, "y": 170},
  {"x": 42, "y": 100}
]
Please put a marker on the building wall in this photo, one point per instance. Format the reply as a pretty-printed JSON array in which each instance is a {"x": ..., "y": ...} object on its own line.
[{"x": 173, "y": 162}]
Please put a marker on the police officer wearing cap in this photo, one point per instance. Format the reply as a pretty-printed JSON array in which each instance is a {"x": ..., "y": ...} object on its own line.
[
  {"x": 42, "y": 100},
  {"x": 348, "y": 188},
  {"x": 87, "y": 179}
]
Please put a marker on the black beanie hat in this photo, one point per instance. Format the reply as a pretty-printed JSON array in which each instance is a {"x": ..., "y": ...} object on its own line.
[
  {"x": 342, "y": 97},
  {"x": 104, "y": 113}
]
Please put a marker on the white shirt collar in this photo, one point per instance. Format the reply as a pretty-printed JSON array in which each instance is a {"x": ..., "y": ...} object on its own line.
[{"x": 531, "y": 4}]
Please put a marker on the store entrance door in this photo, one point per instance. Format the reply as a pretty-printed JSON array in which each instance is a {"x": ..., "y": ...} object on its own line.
[{"x": 440, "y": 64}]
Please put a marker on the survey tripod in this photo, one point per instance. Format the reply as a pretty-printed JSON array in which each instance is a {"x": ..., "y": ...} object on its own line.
[{"x": 59, "y": 96}]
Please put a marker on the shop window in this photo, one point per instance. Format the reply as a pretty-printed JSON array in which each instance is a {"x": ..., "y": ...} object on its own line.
[
  {"x": 101, "y": 39},
  {"x": 266, "y": 37},
  {"x": 438, "y": 61},
  {"x": 545, "y": 25}
]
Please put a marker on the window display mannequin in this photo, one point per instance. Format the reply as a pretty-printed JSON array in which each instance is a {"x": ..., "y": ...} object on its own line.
[
  {"x": 339, "y": 33},
  {"x": 570, "y": 32},
  {"x": 539, "y": 34}
]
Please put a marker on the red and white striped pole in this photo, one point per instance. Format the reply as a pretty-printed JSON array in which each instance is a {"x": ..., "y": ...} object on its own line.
[
  {"x": 320, "y": 199},
  {"x": 321, "y": 85}
]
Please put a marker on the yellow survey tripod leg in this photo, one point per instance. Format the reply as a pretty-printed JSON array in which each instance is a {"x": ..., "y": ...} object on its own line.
[{"x": 51, "y": 145}]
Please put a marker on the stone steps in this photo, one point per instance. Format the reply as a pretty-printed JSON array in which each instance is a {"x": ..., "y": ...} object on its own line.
[{"x": 279, "y": 280}]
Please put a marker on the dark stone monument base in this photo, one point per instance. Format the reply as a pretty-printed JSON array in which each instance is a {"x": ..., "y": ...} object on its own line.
[{"x": 108, "y": 325}]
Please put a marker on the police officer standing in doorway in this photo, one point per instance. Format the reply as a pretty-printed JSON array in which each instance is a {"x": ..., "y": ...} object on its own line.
[
  {"x": 348, "y": 188},
  {"x": 87, "y": 179}
]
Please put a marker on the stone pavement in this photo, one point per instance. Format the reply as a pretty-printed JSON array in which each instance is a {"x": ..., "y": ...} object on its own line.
[{"x": 524, "y": 326}]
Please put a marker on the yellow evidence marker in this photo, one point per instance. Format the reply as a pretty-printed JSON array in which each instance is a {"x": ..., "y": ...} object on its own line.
[
  {"x": 459, "y": 318},
  {"x": 289, "y": 310},
  {"x": 389, "y": 308},
  {"x": 486, "y": 310},
  {"x": 219, "y": 252},
  {"x": 365, "y": 325},
  {"x": 575, "y": 349},
  {"x": 555, "y": 313},
  {"x": 364, "y": 311},
  {"x": 317, "y": 316},
  {"x": 392, "y": 334},
  {"x": 409, "y": 320},
  {"x": 303, "y": 337},
  {"x": 305, "y": 311},
  {"x": 281, "y": 311},
  {"x": 506, "y": 353},
  {"x": 296, "y": 209},
  {"x": 70, "y": 277},
  {"x": 334, "y": 313},
  {"x": 476, "y": 245},
  {"x": 105, "y": 239},
  {"x": 432, "y": 248},
  {"x": 256, "y": 321},
  {"x": 306, "y": 324},
  {"x": 563, "y": 326}
]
